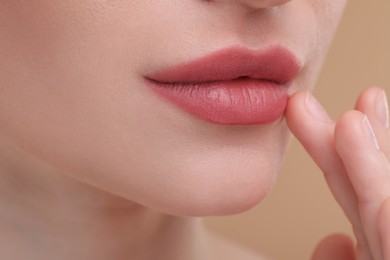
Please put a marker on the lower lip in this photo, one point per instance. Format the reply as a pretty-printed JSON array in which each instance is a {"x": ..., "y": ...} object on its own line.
[{"x": 233, "y": 102}]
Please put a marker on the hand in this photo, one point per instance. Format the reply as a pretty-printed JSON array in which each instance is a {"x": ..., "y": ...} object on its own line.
[{"x": 354, "y": 155}]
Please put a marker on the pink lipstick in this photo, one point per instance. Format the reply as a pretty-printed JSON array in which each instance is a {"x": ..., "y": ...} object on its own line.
[{"x": 234, "y": 86}]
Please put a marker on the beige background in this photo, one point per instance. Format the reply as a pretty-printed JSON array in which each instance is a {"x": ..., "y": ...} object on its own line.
[{"x": 300, "y": 210}]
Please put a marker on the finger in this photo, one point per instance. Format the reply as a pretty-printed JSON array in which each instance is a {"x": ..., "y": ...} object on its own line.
[
  {"x": 334, "y": 247},
  {"x": 384, "y": 228},
  {"x": 373, "y": 103},
  {"x": 368, "y": 170},
  {"x": 314, "y": 129}
]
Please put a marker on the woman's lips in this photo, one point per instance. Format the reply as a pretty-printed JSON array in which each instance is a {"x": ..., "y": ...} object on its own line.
[{"x": 234, "y": 86}]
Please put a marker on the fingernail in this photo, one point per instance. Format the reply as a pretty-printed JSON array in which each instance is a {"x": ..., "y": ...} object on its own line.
[
  {"x": 315, "y": 109},
  {"x": 367, "y": 129},
  {"x": 382, "y": 108}
]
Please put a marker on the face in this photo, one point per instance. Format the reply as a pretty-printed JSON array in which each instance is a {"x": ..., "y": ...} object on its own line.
[{"x": 74, "y": 95}]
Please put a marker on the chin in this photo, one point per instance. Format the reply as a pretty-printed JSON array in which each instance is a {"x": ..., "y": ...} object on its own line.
[
  {"x": 222, "y": 200},
  {"x": 218, "y": 186},
  {"x": 215, "y": 175}
]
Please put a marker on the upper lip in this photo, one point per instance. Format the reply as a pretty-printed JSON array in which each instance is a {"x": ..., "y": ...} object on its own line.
[{"x": 275, "y": 63}]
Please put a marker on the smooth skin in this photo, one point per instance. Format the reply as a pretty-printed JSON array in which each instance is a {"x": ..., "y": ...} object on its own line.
[
  {"x": 353, "y": 152},
  {"x": 94, "y": 166}
]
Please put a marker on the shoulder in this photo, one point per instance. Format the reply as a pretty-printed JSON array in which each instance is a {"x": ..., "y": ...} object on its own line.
[{"x": 229, "y": 250}]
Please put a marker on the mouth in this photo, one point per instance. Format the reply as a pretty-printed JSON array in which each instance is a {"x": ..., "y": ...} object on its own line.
[{"x": 233, "y": 86}]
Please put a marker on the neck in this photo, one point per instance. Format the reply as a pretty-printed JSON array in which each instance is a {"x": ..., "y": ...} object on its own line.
[{"x": 47, "y": 215}]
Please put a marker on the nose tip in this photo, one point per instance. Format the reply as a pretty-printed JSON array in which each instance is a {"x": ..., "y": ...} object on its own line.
[
  {"x": 258, "y": 4},
  {"x": 264, "y": 3}
]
